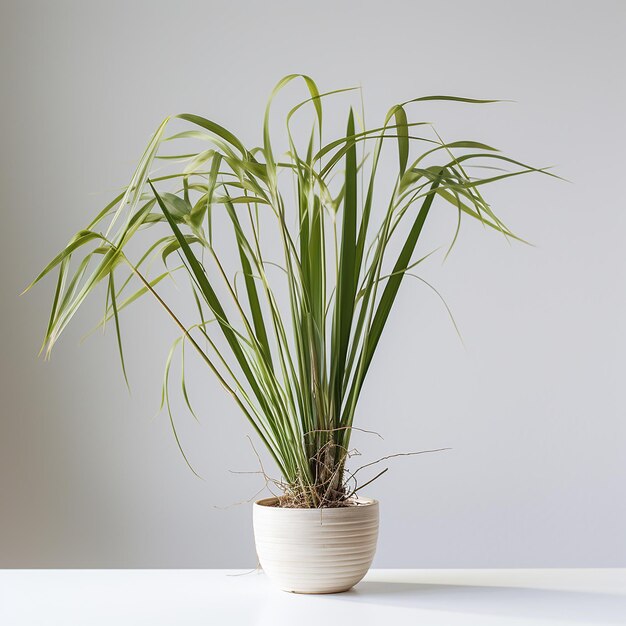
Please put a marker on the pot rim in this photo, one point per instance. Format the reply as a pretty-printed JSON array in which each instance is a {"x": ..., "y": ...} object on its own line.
[{"x": 268, "y": 503}]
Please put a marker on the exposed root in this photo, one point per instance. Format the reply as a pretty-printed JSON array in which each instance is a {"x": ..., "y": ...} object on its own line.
[{"x": 333, "y": 485}]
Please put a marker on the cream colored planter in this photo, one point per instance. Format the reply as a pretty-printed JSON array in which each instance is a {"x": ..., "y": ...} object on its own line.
[{"x": 316, "y": 550}]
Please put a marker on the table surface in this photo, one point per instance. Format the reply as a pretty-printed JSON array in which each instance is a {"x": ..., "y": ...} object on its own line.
[{"x": 385, "y": 597}]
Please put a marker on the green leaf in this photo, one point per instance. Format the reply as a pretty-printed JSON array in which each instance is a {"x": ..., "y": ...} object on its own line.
[
  {"x": 346, "y": 280},
  {"x": 210, "y": 296},
  {"x": 214, "y": 128},
  {"x": 79, "y": 239},
  {"x": 117, "y": 327},
  {"x": 179, "y": 208},
  {"x": 251, "y": 289},
  {"x": 403, "y": 137},
  {"x": 393, "y": 284}
]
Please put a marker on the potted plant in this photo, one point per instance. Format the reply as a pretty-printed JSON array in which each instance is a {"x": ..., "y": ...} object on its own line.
[{"x": 291, "y": 342}]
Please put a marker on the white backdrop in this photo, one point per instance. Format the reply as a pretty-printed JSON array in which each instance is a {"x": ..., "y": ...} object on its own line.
[{"x": 533, "y": 406}]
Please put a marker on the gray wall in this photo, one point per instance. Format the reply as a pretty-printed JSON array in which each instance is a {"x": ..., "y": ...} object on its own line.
[{"x": 533, "y": 406}]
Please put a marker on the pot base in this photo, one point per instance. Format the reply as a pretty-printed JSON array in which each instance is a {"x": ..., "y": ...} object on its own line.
[{"x": 317, "y": 593}]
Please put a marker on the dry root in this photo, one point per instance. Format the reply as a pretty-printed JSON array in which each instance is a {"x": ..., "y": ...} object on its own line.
[{"x": 333, "y": 485}]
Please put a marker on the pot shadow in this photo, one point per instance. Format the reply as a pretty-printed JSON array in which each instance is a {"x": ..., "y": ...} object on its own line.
[{"x": 521, "y": 602}]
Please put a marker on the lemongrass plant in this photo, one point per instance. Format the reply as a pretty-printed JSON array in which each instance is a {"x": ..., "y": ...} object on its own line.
[{"x": 292, "y": 345}]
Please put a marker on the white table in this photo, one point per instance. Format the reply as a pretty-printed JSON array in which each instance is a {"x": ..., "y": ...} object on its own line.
[{"x": 385, "y": 597}]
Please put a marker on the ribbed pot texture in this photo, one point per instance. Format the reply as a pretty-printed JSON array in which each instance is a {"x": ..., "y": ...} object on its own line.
[{"x": 315, "y": 550}]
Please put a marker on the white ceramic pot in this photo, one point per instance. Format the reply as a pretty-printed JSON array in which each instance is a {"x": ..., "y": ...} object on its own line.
[{"x": 316, "y": 550}]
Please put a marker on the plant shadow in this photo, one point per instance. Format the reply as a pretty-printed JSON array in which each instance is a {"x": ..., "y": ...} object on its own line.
[{"x": 575, "y": 606}]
